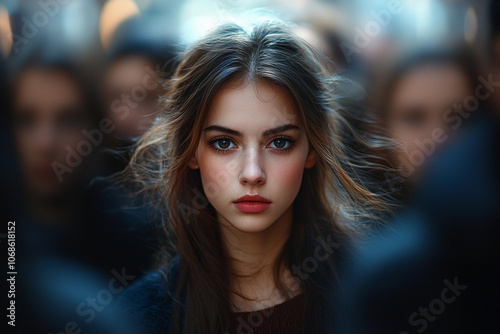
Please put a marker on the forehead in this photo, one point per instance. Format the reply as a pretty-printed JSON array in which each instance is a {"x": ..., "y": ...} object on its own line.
[
  {"x": 249, "y": 105},
  {"x": 45, "y": 86},
  {"x": 433, "y": 83},
  {"x": 128, "y": 70}
]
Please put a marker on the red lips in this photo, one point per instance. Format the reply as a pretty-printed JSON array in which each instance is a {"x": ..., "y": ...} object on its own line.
[
  {"x": 252, "y": 203},
  {"x": 252, "y": 198}
]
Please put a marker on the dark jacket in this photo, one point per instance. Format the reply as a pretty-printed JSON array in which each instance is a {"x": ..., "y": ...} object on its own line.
[{"x": 148, "y": 304}]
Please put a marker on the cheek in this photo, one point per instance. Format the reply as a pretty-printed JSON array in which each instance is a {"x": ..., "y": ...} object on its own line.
[
  {"x": 215, "y": 176},
  {"x": 286, "y": 174},
  {"x": 406, "y": 137},
  {"x": 207, "y": 165},
  {"x": 403, "y": 134},
  {"x": 27, "y": 146}
]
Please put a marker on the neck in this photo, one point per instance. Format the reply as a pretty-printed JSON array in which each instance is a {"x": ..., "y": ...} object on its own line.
[{"x": 253, "y": 259}]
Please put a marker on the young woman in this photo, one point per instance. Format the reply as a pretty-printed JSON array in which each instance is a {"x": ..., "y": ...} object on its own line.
[{"x": 248, "y": 161}]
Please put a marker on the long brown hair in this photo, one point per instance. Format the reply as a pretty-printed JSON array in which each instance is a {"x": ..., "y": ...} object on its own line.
[{"x": 333, "y": 197}]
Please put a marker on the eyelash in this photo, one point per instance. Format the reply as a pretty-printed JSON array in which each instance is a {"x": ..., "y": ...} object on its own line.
[{"x": 212, "y": 141}]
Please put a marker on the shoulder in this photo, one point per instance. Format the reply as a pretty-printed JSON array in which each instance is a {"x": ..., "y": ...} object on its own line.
[
  {"x": 461, "y": 183},
  {"x": 149, "y": 302}
]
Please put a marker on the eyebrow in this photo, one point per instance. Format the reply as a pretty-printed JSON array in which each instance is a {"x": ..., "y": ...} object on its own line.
[{"x": 266, "y": 133}]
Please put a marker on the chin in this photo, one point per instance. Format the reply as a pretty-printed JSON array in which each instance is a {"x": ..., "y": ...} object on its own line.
[{"x": 254, "y": 224}]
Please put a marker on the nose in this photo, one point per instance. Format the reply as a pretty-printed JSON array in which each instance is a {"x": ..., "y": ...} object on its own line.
[{"x": 252, "y": 172}]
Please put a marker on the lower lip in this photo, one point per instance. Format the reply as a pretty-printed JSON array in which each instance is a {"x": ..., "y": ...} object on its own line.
[{"x": 252, "y": 207}]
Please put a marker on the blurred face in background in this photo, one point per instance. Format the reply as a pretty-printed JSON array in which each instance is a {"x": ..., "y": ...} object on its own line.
[
  {"x": 418, "y": 113},
  {"x": 48, "y": 118},
  {"x": 131, "y": 89}
]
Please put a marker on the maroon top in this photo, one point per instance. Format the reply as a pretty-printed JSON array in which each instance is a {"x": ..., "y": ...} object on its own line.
[{"x": 287, "y": 317}]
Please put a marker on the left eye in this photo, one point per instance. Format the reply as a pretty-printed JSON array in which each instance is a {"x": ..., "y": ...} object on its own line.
[
  {"x": 280, "y": 143},
  {"x": 223, "y": 144}
]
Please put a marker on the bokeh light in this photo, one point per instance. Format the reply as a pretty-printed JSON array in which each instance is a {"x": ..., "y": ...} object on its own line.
[
  {"x": 113, "y": 13},
  {"x": 5, "y": 32}
]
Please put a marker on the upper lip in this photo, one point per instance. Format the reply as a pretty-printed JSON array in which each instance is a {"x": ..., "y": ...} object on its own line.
[{"x": 252, "y": 198}]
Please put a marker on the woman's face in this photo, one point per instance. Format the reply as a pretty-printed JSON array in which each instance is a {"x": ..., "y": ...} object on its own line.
[{"x": 252, "y": 143}]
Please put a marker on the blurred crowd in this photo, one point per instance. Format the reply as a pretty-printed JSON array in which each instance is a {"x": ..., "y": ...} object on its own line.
[{"x": 79, "y": 84}]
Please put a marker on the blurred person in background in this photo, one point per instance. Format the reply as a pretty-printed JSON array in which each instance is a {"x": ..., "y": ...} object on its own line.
[
  {"x": 65, "y": 231},
  {"x": 314, "y": 24},
  {"x": 421, "y": 104},
  {"x": 436, "y": 269},
  {"x": 56, "y": 134},
  {"x": 137, "y": 64},
  {"x": 138, "y": 61},
  {"x": 52, "y": 109}
]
